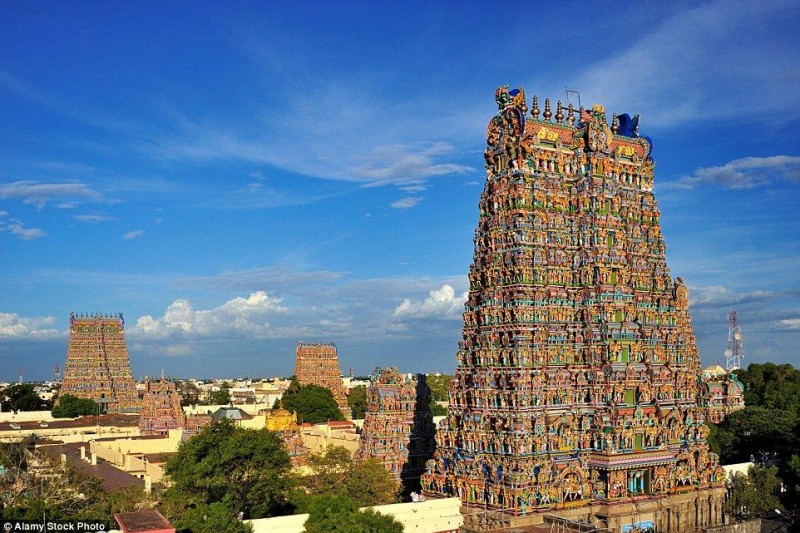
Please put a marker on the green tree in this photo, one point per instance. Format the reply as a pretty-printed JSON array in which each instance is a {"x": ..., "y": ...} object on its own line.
[
  {"x": 438, "y": 410},
  {"x": 339, "y": 514},
  {"x": 440, "y": 386},
  {"x": 211, "y": 518},
  {"x": 189, "y": 393},
  {"x": 312, "y": 403},
  {"x": 22, "y": 397},
  {"x": 221, "y": 396},
  {"x": 246, "y": 470},
  {"x": 69, "y": 406},
  {"x": 755, "y": 495},
  {"x": 357, "y": 400},
  {"x": 334, "y": 471}
]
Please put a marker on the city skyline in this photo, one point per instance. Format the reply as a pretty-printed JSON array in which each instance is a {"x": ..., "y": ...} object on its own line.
[{"x": 235, "y": 178}]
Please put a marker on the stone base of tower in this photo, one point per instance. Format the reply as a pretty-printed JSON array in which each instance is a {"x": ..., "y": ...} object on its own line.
[{"x": 688, "y": 511}]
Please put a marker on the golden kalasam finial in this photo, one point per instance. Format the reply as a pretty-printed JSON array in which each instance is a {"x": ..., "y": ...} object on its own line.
[
  {"x": 614, "y": 123},
  {"x": 547, "y": 112},
  {"x": 559, "y": 113},
  {"x": 570, "y": 114},
  {"x": 535, "y": 110}
]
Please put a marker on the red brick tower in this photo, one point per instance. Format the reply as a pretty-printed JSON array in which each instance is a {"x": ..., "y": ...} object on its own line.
[{"x": 318, "y": 364}]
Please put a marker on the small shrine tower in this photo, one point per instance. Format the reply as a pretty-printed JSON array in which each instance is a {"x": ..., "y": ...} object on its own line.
[
  {"x": 284, "y": 423},
  {"x": 318, "y": 364},
  {"x": 97, "y": 366},
  {"x": 398, "y": 425}
]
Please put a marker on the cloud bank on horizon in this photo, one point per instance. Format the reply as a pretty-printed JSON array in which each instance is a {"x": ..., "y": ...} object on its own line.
[{"x": 236, "y": 181}]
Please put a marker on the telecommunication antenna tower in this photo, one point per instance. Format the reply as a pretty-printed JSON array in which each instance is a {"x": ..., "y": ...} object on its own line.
[
  {"x": 57, "y": 373},
  {"x": 733, "y": 354},
  {"x": 19, "y": 373}
]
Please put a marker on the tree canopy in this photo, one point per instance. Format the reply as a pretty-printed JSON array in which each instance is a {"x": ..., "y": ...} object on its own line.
[
  {"x": 339, "y": 514},
  {"x": 755, "y": 495},
  {"x": 311, "y": 403},
  {"x": 222, "y": 396},
  {"x": 357, "y": 400},
  {"x": 767, "y": 430},
  {"x": 22, "y": 397},
  {"x": 334, "y": 471},
  {"x": 245, "y": 470},
  {"x": 69, "y": 406},
  {"x": 440, "y": 386}
]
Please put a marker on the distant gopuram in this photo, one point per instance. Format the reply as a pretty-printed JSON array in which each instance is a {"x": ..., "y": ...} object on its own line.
[
  {"x": 318, "y": 364},
  {"x": 162, "y": 411},
  {"x": 97, "y": 364},
  {"x": 577, "y": 391},
  {"x": 398, "y": 425}
]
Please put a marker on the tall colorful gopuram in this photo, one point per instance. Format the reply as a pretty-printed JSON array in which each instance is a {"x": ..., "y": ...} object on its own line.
[
  {"x": 318, "y": 364},
  {"x": 398, "y": 425},
  {"x": 576, "y": 391},
  {"x": 97, "y": 364}
]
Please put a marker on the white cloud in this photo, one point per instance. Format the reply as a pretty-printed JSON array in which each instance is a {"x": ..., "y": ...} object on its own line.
[
  {"x": 235, "y": 317},
  {"x": 27, "y": 234},
  {"x": 39, "y": 194},
  {"x": 179, "y": 350},
  {"x": 719, "y": 296},
  {"x": 92, "y": 219},
  {"x": 14, "y": 326},
  {"x": 407, "y": 202},
  {"x": 407, "y": 166},
  {"x": 744, "y": 173},
  {"x": 133, "y": 234},
  {"x": 675, "y": 71},
  {"x": 440, "y": 303},
  {"x": 790, "y": 323}
]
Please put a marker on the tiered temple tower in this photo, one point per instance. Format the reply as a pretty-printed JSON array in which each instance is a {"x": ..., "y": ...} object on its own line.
[
  {"x": 97, "y": 364},
  {"x": 398, "y": 425},
  {"x": 162, "y": 411},
  {"x": 318, "y": 364},
  {"x": 577, "y": 377},
  {"x": 284, "y": 423}
]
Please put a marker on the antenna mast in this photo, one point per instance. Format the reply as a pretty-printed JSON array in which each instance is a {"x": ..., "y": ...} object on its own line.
[{"x": 733, "y": 354}]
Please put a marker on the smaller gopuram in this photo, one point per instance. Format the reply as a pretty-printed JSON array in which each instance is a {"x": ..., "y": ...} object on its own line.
[
  {"x": 162, "y": 411},
  {"x": 398, "y": 425},
  {"x": 98, "y": 366},
  {"x": 284, "y": 423},
  {"x": 318, "y": 364}
]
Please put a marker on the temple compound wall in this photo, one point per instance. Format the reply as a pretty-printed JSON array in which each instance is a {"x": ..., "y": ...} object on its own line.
[
  {"x": 97, "y": 365},
  {"x": 578, "y": 386},
  {"x": 318, "y": 364},
  {"x": 398, "y": 425}
]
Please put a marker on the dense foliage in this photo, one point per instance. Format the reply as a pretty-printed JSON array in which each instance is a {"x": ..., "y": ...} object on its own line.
[
  {"x": 221, "y": 396},
  {"x": 311, "y": 403},
  {"x": 338, "y": 514},
  {"x": 22, "y": 397},
  {"x": 440, "y": 386},
  {"x": 767, "y": 430},
  {"x": 244, "y": 470},
  {"x": 69, "y": 406},
  {"x": 755, "y": 494},
  {"x": 366, "y": 483},
  {"x": 357, "y": 400},
  {"x": 36, "y": 484}
]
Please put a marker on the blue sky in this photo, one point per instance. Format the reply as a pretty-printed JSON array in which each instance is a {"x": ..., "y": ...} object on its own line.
[{"x": 237, "y": 176}]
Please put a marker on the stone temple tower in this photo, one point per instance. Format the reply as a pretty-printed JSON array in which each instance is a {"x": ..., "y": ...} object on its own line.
[
  {"x": 577, "y": 387},
  {"x": 318, "y": 364},
  {"x": 398, "y": 425},
  {"x": 97, "y": 364}
]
